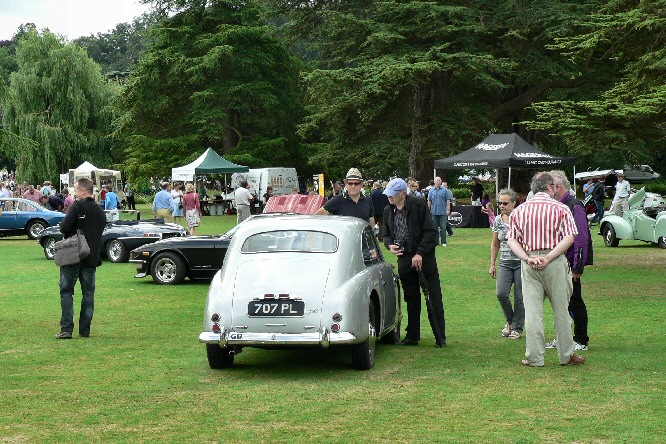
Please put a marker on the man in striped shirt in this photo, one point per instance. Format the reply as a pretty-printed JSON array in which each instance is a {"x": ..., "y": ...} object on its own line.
[{"x": 540, "y": 232}]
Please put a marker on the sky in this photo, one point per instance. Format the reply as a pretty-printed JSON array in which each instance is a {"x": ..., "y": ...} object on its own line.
[{"x": 71, "y": 18}]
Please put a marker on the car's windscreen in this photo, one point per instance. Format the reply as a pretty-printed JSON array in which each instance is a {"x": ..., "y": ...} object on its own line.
[
  {"x": 21, "y": 206},
  {"x": 290, "y": 240}
]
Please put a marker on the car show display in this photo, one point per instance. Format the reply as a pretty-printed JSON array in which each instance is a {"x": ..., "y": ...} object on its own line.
[
  {"x": 22, "y": 216},
  {"x": 120, "y": 237},
  {"x": 170, "y": 261},
  {"x": 345, "y": 294},
  {"x": 645, "y": 220}
]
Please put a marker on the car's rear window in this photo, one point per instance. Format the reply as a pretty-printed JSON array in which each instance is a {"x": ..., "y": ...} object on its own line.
[{"x": 290, "y": 240}]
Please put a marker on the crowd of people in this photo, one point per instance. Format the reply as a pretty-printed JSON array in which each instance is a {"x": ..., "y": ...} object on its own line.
[{"x": 539, "y": 248}]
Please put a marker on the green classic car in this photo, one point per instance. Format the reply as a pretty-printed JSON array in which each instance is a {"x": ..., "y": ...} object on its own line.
[{"x": 645, "y": 220}]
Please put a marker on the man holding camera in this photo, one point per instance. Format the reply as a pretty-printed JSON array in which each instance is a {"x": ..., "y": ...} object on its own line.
[{"x": 411, "y": 235}]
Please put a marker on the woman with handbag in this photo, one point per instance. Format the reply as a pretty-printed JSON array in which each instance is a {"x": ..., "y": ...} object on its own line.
[{"x": 192, "y": 208}]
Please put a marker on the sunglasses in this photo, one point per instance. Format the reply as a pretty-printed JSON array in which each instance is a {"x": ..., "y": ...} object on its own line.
[
  {"x": 504, "y": 203},
  {"x": 354, "y": 184}
]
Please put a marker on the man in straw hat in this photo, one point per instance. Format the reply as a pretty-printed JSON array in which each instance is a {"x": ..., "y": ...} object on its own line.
[{"x": 351, "y": 202}]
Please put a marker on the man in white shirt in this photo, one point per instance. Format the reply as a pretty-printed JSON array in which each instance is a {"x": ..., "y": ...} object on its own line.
[
  {"x": 243, "y": 199},
  {"x": 621, "y": 199}
]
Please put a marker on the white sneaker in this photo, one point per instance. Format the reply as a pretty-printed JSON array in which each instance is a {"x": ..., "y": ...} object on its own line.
[
  {"x": 444, "y": 245},
  {"x": 579, "y": 347},
  {"x": 552, "y": 344},
  {"x": 506, "y": 331}
]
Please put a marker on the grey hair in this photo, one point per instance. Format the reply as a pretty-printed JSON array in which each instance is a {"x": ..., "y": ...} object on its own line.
[
  {"x": 559, "y": 176},
  {"x": 541, "y": 181},
  {"x": 509, "y": 192}
]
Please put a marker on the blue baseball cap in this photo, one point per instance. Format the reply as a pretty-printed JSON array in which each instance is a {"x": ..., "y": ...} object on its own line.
[{"x": 395, "y": 186}]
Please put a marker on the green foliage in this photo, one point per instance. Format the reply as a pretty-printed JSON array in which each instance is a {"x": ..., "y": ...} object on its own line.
[
  {"x": 462, "y": 193},
  {"x": 656, "y": 186},
  {"x": 620, "y": 120},
  {"x": 421, "y": 80},
  {"x": 214, "y": 77},
  {"x": 56, "y": 107},
  {"x": 119, "y": 49}
]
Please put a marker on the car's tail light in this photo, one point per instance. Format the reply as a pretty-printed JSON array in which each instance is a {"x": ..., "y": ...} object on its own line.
[
  {"x": 215, "y": 317},
  {"x": 335, "y": 327},
  {"x": 216, "y": 328},
  {"x": 337, "y": 317}
]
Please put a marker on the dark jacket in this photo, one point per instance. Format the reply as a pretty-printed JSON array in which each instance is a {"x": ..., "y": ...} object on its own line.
[
  {"x": 88, "y": 216},
  {"x": 379, "y": 201},
  {"x": 599, "y": 191},
  {"x": 419, "y": 221},
  {"x": 580, "y": 253}
]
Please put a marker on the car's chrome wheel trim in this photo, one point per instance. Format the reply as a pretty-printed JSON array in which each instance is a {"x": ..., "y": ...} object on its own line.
[
  {"x": 115, "y": 250},
  {"x": 36, "y": 229},
  {"x": 48, "y": 247},
  {"x": 165, "y": 269}
]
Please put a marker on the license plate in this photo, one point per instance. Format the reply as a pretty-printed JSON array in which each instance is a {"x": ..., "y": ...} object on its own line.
[{"x": 277, "y": 308}]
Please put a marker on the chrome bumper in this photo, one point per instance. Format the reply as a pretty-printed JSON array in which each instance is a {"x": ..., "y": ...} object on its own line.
[
  {"x": 141, "y": 267},
  {"x": 323, "y": 338}
]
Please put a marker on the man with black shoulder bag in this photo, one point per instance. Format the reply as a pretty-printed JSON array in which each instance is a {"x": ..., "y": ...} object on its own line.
[{"x": 84, "y": 215}]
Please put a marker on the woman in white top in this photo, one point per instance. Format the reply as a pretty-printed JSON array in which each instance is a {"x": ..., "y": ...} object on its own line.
[{"x": 177, "y": 197}]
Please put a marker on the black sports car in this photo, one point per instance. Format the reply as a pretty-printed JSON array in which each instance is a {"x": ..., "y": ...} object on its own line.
[
  {"x": 170, "y": 261},
  {"x": 120, "y": 237}
]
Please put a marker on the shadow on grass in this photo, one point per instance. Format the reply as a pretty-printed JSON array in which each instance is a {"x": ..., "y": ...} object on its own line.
[{"x": 306, "y": 364}]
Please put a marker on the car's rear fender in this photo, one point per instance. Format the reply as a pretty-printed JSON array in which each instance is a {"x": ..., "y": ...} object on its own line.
[
  {"x": 218, "y": 302},
  {"x": 623, "y": 229},
  {"x": 351, "y": 300},
  {"x": 660, "y": 226}
]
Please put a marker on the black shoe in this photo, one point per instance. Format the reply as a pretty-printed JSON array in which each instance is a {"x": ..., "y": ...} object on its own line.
[
  {"x": 408, "y": 341},
  {"x": 440, "y": 344},
  {"x": 84, "y": 335},
  {"x": 64, "y": 335}
]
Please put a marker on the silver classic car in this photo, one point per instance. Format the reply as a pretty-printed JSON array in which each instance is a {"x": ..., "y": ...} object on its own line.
[{"x": 297, "y": 281}]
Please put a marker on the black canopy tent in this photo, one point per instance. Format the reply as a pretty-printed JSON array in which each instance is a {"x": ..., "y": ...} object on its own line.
[{"x": 503, "y": 151}]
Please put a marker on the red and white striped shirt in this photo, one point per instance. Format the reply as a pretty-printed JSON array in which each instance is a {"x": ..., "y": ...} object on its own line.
[{"x": 541, "y": 223}]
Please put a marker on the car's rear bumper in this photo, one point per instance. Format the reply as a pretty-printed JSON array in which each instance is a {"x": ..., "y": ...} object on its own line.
[{"x": 245, "y": 339}]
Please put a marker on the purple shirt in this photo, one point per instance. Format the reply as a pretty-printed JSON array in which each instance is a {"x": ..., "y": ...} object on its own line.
[{"x": 577, "y": 254}]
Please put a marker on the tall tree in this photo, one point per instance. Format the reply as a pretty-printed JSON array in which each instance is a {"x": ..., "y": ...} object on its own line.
[
  {"x": 623, "y": 120},
  {"x": 214, "y": 77},
  {"x": 417, "y": 80},
  {"x": 57, "y": 107},
  {"x": 119, "y": 49}
]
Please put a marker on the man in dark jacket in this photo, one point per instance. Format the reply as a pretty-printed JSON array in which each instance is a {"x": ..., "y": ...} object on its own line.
[
  {"x": 379, "y": 202},
  {"x": 87, "y": 216},
  {"x": 599, "y": 195},
  {"x": 410, "y": 234},
  {"x": 578, "y": 255}
]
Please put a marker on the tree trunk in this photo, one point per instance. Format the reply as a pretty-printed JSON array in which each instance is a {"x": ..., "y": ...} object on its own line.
[{"x": 417, "y": 161}]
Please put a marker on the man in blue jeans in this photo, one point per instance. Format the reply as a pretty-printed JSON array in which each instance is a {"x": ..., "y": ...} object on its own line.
[
  {"x": 439, "y": 202},
  {"x": 87, "y": 216}
]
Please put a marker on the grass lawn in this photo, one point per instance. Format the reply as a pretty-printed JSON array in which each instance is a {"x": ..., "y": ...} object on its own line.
[{"x": 142, "y": 376}]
